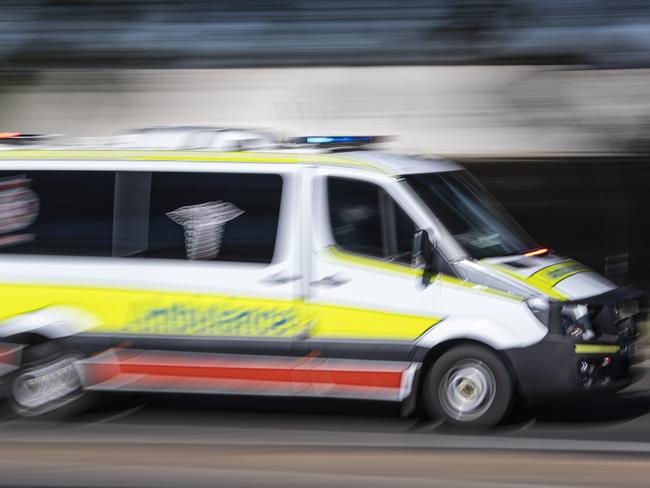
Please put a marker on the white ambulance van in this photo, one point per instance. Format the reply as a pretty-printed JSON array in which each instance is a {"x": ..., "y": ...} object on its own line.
[{"x": 318, "y": 268}]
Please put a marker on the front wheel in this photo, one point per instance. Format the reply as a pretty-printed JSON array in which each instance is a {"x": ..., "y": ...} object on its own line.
[{"x": 468, "y": 386}]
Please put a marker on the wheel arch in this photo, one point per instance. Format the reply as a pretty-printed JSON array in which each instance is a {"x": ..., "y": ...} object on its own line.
[
  {"x": 27, "y": 338},
  {"x": 49, "y": 323},
  {"x": 428, "y": 357}
]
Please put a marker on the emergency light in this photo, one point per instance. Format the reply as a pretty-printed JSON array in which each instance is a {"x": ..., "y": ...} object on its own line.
[{"x": 338, "y": 140}]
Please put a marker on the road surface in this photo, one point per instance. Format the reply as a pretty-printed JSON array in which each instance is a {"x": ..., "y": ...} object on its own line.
[{"x": 165, "y": 441}]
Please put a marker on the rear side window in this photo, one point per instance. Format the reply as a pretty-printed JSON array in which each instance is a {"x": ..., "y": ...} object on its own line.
[
  {"x": 56, "y": 212},
  {"x": 192, "y": 216},
  {"x": 198, "y": 216},
  {"x": 365, "y": 220}
]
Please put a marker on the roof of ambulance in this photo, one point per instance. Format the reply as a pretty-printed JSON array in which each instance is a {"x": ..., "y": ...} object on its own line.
[{"x": 383, "y": 162}]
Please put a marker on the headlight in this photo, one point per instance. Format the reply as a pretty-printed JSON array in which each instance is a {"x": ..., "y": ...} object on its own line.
[
  {"x": 574, "y": 319},
  {"x": 540, "y": 309}
]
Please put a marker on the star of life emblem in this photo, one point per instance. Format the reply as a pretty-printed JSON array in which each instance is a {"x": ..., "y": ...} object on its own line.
[{"x": 204, "y": 225}]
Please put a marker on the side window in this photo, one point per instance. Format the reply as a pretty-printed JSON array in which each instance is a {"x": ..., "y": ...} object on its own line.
[
  {"x": 56, "y": 212},
  {"x": 213, "y": 216},
  {"x": 365, "y": 220}
]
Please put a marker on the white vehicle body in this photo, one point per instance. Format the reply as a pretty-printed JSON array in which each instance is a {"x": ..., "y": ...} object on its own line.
[{"x": 311, "y": 319}]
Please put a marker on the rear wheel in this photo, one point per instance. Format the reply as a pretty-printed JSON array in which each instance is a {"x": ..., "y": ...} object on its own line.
[
  {"x": 48, "y": 383},
  {"x": 468, "y": 386}
]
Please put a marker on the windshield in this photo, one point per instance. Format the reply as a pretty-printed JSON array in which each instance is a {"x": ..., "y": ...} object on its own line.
[{"x": 470, "y": 214}]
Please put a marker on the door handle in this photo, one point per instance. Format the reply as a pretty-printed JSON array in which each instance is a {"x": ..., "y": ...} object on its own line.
[
  {"x": 331, "y": 281},
  {"x": 279, "y": 279}
]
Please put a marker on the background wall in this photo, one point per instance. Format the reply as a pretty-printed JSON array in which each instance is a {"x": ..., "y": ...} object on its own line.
[{"x": 472, "y": 109}]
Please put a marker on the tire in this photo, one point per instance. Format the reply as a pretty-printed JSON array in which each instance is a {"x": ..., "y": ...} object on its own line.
[
  {"x": 468, "y": 386},
  {"x": 48, "y": 384}
]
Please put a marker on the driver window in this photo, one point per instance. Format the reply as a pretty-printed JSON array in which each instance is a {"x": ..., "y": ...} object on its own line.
[{"x": 365, "y": 220}]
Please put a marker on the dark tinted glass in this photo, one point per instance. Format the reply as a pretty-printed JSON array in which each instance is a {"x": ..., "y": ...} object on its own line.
[
  {"x": 56, "y": 212},
  {"x": 404, "y": 232},
  {"x": 366, "y": 220},
  {"x": 470, "y": 214},
  {"x": 355, "y": 216},
  {"x": 249, "y": 204}
]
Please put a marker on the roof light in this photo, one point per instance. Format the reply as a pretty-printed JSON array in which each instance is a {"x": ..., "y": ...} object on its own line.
[
  {"x": 9, "y": 135},
  {"x": 538, "y": 252},
  {"x": 334, "y": 139},
  {"x": 338, "y": 140}
]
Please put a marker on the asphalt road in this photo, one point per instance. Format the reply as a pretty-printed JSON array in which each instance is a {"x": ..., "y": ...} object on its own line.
[{"x": 165, "y": 441}]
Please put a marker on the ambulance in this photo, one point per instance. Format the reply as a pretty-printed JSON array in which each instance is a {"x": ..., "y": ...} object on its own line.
[{"x": 315, "y": 267}]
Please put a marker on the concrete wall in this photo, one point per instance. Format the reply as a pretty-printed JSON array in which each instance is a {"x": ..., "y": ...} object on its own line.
[{"x": 467, "y": 110}]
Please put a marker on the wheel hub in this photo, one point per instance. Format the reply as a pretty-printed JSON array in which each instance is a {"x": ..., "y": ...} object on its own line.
[{"x": 467, "y": 390}]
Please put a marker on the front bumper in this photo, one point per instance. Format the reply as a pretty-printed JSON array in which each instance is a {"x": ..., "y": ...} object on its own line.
[
  {"x": 555, "y": 367},
  {"x": 559, "y": 365}
]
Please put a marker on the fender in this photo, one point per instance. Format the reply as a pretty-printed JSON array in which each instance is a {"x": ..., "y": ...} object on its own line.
[
  {"x": 52, "y": 322},
  {"x": 481, "y": 329},
  {"x": 476, "y": 328}
]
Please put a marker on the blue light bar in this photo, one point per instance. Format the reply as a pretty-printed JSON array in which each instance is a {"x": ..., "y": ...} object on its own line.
[
  {"x": 338, "y": 140},
  {"x": 335, "y": 139}
]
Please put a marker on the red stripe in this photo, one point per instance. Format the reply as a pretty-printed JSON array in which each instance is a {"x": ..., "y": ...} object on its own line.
[
  {"x": 280, "y": 370},
  {"x": 207, "y": 384},
  {"x": 387, "y": 379},
  {"x": 221, "y": 372}
]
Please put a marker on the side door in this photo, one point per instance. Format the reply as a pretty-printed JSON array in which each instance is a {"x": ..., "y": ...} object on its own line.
[
  {"x": 206, "y": 282},
  {"x": 368, "y": 301}
]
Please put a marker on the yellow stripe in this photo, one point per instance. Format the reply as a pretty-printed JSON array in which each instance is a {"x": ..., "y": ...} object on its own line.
[
  {"x": 553, "y": 274},
  {"x": 145, "y": 155},
  {"x": 596, "y": 349},
  {"x": 382, "y": 265},
  {"x": 537, "y": 283},
  {"x": 352, "y": 323},
  {"x": 154, "y": 312},
  {"x": 476, "y": 287},
  {"x": 161, "y": 312},
  {"x": 189, "y": 156}
]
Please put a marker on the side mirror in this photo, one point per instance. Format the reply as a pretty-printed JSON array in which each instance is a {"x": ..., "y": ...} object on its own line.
[{"x": 422, "y": 256}]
